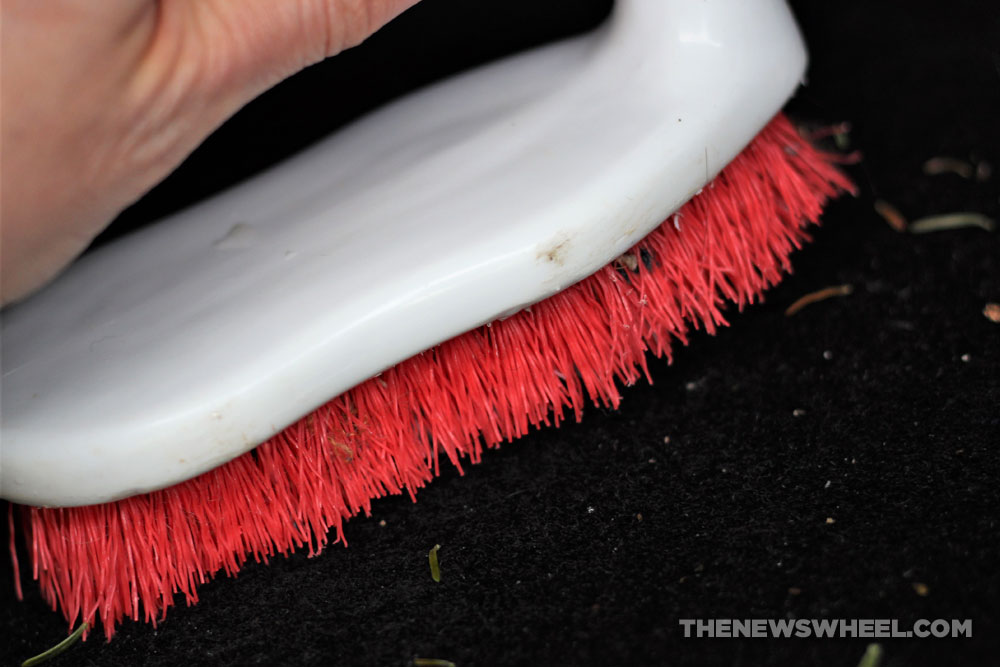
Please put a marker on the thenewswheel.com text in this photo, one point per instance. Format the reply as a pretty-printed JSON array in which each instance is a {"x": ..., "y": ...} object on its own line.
[{"x": 866, "y": 628}]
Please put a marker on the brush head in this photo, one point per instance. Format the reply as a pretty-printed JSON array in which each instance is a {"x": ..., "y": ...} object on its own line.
[{"x": 171, "y": 351}]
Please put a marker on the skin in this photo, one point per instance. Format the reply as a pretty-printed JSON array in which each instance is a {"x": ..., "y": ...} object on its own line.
[{"x": 100, "y": 100}]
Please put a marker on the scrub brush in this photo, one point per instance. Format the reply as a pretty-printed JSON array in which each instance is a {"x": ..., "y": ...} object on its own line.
[{"x": 139, "y": 387}]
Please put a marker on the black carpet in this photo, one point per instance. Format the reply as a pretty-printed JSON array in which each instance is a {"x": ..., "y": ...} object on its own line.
[{"x": 841, "y": 463}]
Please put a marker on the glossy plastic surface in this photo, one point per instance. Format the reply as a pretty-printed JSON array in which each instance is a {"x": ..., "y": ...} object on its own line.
[{"x": 186, "y": 344}]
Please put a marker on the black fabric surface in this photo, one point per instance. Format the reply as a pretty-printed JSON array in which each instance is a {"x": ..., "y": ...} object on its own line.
[{"x": 878, "y": 410}]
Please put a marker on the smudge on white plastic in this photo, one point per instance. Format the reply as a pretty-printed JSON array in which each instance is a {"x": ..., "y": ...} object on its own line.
[{"x": 239, "y": 237}]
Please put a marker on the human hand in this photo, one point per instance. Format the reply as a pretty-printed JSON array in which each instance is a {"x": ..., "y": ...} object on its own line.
[{"x": 102, "y": 99}]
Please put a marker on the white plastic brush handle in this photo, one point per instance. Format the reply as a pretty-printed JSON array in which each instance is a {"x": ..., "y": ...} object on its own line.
[{"x": 186, "y": 344}]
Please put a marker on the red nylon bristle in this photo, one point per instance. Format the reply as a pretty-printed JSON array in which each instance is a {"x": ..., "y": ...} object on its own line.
[{"x": 130, "y": 558}]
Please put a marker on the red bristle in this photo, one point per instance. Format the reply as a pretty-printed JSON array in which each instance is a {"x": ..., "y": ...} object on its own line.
[
  {"x": 490, "y": 385},
  {"x": 12, "y": 545}
]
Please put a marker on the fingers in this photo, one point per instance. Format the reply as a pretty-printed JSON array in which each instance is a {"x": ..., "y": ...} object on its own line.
[
  {"x": 256, "y": 43},
  {"x": 207, "y": 59}
]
